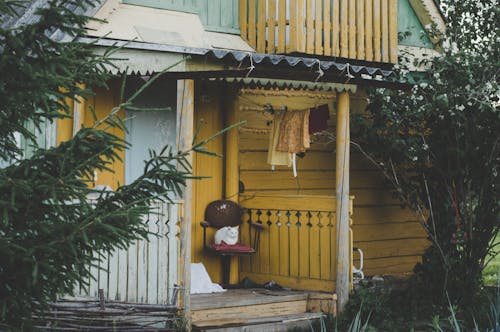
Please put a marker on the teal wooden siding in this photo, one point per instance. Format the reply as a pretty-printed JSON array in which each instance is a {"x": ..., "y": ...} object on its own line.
[
  {"x": 409, "y": 22},
  {"x": 149, "y": 130},
  {"x": 216, "y": 15}
]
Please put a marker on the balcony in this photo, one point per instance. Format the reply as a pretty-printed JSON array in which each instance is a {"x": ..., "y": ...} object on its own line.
[{"x": 355, "y": 29}]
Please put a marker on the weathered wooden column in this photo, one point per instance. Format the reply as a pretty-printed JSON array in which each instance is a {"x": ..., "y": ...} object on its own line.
[
  {"x": 231, "y": 155},
  {"x": 342, "y": 200},
  {"x": 185, "y": 119}
]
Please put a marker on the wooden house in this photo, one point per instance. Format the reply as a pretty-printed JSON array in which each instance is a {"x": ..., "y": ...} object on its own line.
[{"x": 233, "y": 61}]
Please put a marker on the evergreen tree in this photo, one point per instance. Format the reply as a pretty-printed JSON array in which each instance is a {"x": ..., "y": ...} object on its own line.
[{"x": 48, "y": 229}]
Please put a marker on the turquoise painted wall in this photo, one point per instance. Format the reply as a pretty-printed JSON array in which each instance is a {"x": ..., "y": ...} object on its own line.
[
  {"x": 149, "y": 129},
  {"x": 408, "y": 22},
  {"x": 216, "y": 15}
]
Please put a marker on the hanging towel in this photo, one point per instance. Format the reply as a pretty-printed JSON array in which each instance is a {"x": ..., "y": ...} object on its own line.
[
  {"x": 294, "y": 133},
  {"x": 277, "y": 158},
  {"x": 318, "y": 119}
]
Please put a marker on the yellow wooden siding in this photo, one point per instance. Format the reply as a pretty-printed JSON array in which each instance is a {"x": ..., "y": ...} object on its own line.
[
  {"x": 390, "y": 236},
  {"x": 207, "y": 108},
  {"x": 103, "y": 102}
]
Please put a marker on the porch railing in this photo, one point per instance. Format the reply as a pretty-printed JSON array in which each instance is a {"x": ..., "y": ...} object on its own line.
[
  {"x": 356, "y": 29},
  {"x": 147, "y": 271},
  {"x": 298, "y": 244}
]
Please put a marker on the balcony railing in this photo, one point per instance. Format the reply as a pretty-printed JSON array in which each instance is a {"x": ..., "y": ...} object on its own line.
[{"x": 355, "y": 29}]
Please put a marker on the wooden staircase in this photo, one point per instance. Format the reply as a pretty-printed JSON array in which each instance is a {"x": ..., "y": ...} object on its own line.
[{"x": 259, "y": 310}]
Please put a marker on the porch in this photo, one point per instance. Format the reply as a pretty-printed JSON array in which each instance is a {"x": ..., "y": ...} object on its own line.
[{"x": 259, "y": 310}]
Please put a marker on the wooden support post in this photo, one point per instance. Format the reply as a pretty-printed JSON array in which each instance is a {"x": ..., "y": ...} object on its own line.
[
  {"x": 232, "y": 175},
  {"x": 185, "y": 119},
  {"x": 342, "y": 201}
]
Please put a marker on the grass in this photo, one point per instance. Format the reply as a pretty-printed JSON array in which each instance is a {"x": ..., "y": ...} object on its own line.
[{"x": 490, "y": 272}]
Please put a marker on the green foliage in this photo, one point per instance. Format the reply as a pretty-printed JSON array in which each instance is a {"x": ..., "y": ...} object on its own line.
[
  {"x": 439, "y": 147},
  {"x": 49, "y": 230}
]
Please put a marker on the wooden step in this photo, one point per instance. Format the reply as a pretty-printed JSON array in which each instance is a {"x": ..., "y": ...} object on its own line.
[{"x": 279, "y": 323}]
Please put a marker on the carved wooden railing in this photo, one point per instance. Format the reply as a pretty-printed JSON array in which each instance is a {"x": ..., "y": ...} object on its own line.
[
  {"x": 298, "y": 244},
  {"x": 356, "y": 29}
]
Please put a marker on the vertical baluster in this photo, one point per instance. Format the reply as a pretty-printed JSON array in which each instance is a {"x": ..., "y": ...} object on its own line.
[
  {"x": 243, "y": 19},
  {"x": 281, "y": 25},
  {"x": 393, "y": 31},
  {"x": 285, "y": 246},
  {"x": 309, "y": 27},
  {"x": 293, "y": 29},
  {"x": 324, "y": 239},
  {"x": 256, "y": 261},
  {"x": 304, "y": 252},
  {"x": 315, "y": 245},
  {"x": 252, "y": 17},
  {"x": 327, "y": 28},
  {"x": 271, "y": 27},
  {"x": 294, "y": 245},
  {"x": 274, "y": 240},
  {"x": 245, "y": 238},
  {"x": 385, "y": 30},
  {"x": 344, "y": 28},
  {"x": 301, "y": 32},
  {"x": 332, "y": 225},
  {"x": 261, "y": 26},
  {"x": 318, "y": 27},
  {"x": 267, "y": 244},
  {"x": 369, "y": 30},
  {"x": 336, "y": 26},
  {"x": 376, "y": 30},
  {"x": 352, "y": 29},
  {"x": 360, "y": 19}
]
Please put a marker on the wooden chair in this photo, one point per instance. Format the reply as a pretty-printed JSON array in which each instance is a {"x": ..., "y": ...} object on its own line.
[{"x": 224, "y": 213}]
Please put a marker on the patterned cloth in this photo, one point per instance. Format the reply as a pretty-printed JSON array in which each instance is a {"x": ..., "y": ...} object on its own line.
[
  {"x": 294, "y": 132},
  {"x": 277, "y": 158}
]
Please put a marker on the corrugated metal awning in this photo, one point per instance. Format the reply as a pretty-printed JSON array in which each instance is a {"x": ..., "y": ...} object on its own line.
[{"x": 200, "y": 63}]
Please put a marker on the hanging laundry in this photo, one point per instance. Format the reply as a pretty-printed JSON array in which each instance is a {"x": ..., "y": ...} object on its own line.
[
  {"x": 318, "y": 119},
  {"x": 294, "y": 132},
  {"x": 274, "y": 157}
]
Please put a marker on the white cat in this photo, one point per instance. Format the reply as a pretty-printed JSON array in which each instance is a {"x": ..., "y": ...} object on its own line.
[{"x": 227, "y": 234}]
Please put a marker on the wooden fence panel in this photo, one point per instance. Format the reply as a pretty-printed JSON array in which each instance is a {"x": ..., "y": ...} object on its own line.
[{"x": 146, "y": 271}]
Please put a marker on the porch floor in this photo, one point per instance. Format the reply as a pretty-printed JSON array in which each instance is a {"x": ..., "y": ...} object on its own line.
[{"x": 258, "y": 309}]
